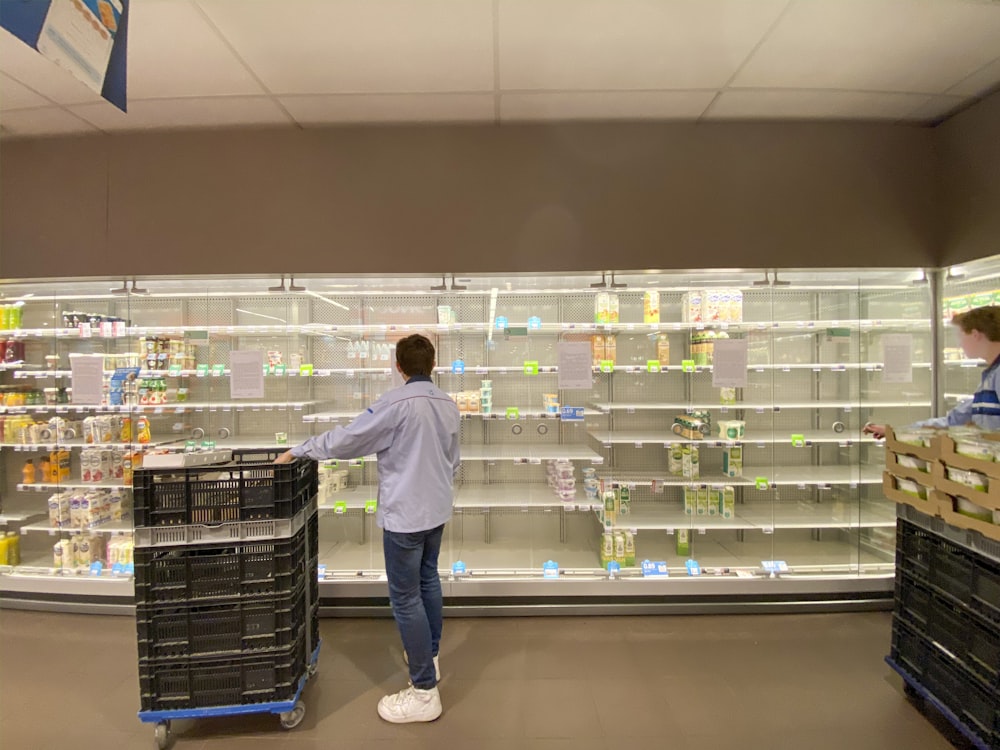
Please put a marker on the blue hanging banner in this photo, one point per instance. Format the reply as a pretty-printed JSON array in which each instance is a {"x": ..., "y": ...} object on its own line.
[{"x": 86, "y": 37}]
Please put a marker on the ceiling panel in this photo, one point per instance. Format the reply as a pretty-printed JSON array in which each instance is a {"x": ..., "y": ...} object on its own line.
[
  {"x": 24, "y": 64},
  {"x": 808, "y": 105},
  {"x": 981, "y": 82},
  {"x": 43, "y": 121},
  {"x": 934, "y": 108},
  {"x": 320, "y": 110},
  {"x": 614, "y": 105},
  {"x": 362, "y": 46},
  {"x": 174, "y": 52},
  {"x": 629, "y": 44},
  {"x": 15, "y": 96},
  {"x": 876, "y": 45},
  {"x": 211, "y": 112}
]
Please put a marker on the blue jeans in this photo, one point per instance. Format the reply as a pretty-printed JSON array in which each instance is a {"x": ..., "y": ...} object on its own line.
[{"x": 411, "y": 561}]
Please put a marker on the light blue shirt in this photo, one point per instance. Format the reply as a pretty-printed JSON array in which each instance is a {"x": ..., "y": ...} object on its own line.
[
  {"x": 983, "y": 409},
  {"x": 414, "y": 432}
]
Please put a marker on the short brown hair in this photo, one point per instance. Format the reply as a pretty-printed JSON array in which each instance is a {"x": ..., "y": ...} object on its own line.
[
  {"x": 415, "y": 355},
  {"x": 986, "y": 320}
]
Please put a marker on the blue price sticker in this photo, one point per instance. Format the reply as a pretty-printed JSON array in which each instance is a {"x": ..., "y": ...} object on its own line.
[
  {"x": 693, "y": 568},
  {"x": 614, "y": 566},
  {"x": 96, "y": 568},
  {"x": 458, "y": 367},
  {"x": 534, "y": 322},
  {"x": 550, "y": 569},
  {"x": 654, "y": 569},
  {"x": 501, "y": 322},
  {"x": 458, "y": 567},
  {"x": 321, "y": 572}
]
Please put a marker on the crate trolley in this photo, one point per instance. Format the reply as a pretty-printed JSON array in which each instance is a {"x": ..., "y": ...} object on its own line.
[{"x": 226, "y": 589}]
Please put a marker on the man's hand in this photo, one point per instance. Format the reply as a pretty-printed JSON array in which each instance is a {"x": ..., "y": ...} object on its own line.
[
  {"x": 285, "y": 458},
  {"x": 875, "y": 430}
]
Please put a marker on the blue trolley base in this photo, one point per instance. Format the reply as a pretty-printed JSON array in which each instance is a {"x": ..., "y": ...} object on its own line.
[
  {"x": 163, "y": 718},
  {"x": 921, "y": 691}
]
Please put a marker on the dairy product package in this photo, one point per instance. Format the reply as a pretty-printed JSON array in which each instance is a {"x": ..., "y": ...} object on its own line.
[
  {"x": 59, "y": 511},
  {"x": 727, "y": 502},
  {"x": 712, "y": 500},
  {"x": 629, "y": 549},
  {"x": 914, "y": 463},
  {"x": 608, "y": 546},
  {"x": 911, "y": 488},
  {"x": 689, "y": 462},
  {"x": 972, "y": 479},
  {"x": 663, "y": 349},
  {"x": 702, "y": 501},
  {"x": 613, "y": 310},
  {"x": 597, "y": 348},
  {"x": 732, "y": 460},
  {"x": 683, "y": 542},
  {"x": 972, "y": 510},
  {"x": 611, "y": 348},
  {"x": 675, "y": 459},
  {"x": 602, "y": 308},
  {"x": 734, "y": 299},
  {"x": 651, "y": 307},
  {"x": 691, "y": 304},
  {"x": 712, "y": 304},
  {"x": 620, "y": 547},
  {"x": 690, "y": 499}
]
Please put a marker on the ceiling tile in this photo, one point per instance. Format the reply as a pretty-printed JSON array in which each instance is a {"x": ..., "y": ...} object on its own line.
[
  {"x": 979, "y": 83},
  {"x": 362, "y": 46},
  {"x": 43, "y": 121},
  {"x": 14, "y": 95},
  {"x": 614, "y": 105},
  {"x": 158, "y": 68},
  {"x": 210, "y": 112},
  {"x": 810, "y": 105},
  {"x": 320, "y": 110},
  {"x": 628, "y": 44},
  {"x": 876, "y": 45},
  {"x": 934, "y": 108},
  {"x": 26, "y": 65}
]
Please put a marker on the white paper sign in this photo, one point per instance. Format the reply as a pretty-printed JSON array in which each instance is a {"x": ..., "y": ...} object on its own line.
[
  {"x": 897, "y": 356},
  {"x": 87, "y": 371},
  {"x": 729, "y": 363},
  {"x": 79, "y": 38},
  {"x": 247, "y": 374},
  {"x": 575, "y": 365}
]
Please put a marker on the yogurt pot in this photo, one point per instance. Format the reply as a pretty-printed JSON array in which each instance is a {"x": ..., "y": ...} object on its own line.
[
  {"x": 969, "y": 478},
  {"x": 920, "y": 437},
  {"x": 910, "y": 462},
  {"x": 911, "y": 488},
  {"x": 970, "y": 509},
  {"x": 978, "y": 449}
]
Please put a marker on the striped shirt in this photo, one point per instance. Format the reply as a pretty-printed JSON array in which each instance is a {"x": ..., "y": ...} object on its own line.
[{"x": 983, "y": 409}]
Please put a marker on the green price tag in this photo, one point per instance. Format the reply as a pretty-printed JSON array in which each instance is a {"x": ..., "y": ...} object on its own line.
[
  {"x": 799, "y": 441},
  {"x": 762, "y": 483},
  {"x": 340, "y": 508},
  {"x": 652, "y": 365},
  {"x": 530, "y": 367},
  {"x": 280, "y": 369},
  {"x": 202, "y": 371},
  {"x": 607, "y": 365},
  {"x": 174, "y": 371},
  {"x": 306, "y": 371},
  {"x": 218, "y": 370},
  {"x": 687, "y": 365},
  {"x": 513, "y": 412},
  {"x": 190, "y": 446},
  {"x": 356, "y": 462},
  {"x": 371, "y": 506},
  {"x": 209, "y": 444}
]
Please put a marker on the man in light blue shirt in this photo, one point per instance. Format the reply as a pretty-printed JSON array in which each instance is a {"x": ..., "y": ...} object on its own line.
[
  {"x": 414, "y": 432},
  {"x": 979, "y": 336}
]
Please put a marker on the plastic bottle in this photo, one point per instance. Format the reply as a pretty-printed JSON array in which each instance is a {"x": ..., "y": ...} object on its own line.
[
  {"x": 13, "y": 548},
  {"x": 28, "y": 472}
]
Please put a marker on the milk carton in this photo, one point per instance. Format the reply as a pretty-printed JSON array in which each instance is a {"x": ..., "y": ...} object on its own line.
[
  {"x": 702, "y": 506},
  {"x": 651, "y": 307},
  {"x": 727, "y": 504},
  {"x": 629, "y": 549},
  {"x": 683, "y": 542},
  {"x": 732, "y": 460},
  {"x": 602, "y": 308},
  {"x": 675, "y": 459},
  {"x": 613, "y": 310},
  {"x": 691, "y": 304}
]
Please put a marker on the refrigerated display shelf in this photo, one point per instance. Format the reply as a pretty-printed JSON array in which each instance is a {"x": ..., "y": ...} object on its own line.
[
  {"x": 115, "y": 527},
  {"x": 768, "y": 517},
  {"x": 529, "y": 453},
  {"x": 70, "y": 485},
  {"x": 663, "y": 438},
  {"x": 498, "y": 413},
  {"x": 9, "y": 518},
  {"x": 170, "y": 408},
  {"x": 778, "y": 406},
  {"x": 805, "y": 476}
]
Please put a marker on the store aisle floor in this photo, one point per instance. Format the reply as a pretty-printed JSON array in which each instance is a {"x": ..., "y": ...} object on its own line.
[{"x": 595, "y": 683}]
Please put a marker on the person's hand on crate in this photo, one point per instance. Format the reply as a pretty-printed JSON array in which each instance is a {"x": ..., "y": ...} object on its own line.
[
  {"x": 285, "y": 458},
  {"x": 875, "y": 430}
]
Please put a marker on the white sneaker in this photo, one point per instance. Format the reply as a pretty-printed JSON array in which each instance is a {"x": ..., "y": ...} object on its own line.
[
  {"x": 437, "y": 665},
  {"x": 410, "y": 705}
]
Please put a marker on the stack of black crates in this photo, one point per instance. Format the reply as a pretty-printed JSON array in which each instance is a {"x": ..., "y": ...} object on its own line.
[
  {"x": 226, "y": 584},
  {"x": 946, "y": 623}
]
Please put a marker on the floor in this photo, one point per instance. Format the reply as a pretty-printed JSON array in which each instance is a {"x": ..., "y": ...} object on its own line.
[{"x": 603, "y": 683}]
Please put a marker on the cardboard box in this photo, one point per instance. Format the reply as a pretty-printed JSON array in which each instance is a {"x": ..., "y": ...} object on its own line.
[
  {"x": 892, "y": 445},
  {"x": 906, "y": 472},
  {"x": 946, "y": 509},
  {"x": 898, "y": 496},
  {"x": 988, "y": 499},
  {"x": 947, "y": 454}
]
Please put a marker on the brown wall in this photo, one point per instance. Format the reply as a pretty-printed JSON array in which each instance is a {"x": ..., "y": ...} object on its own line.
[
  {"x": 468, "y": 199},
  {"x": 970, "y": 158}
]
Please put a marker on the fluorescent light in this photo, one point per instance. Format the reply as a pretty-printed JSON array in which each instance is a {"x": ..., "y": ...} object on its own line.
[
  {"x": 327, "y": 299},
  {"x": 261, "y": 315}
]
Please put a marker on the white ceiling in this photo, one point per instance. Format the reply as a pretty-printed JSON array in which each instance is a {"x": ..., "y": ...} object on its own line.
[{"x": 306, "y": 63}]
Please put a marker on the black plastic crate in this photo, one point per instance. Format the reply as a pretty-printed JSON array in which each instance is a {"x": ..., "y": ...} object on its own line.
[
  {"x": 983, "y": 652},
  {"x": 205, "y": 683},
  {"x": 963, "y": 694},
  {"x": 913, "y": 599},
  {"x": 951, "y": 570},
  {"x": 986, "y": 589},
  {"x": 249, "y": 569},
  {"x": 910, "y": 649},
  {"x": 914, "y": 547},
  {"x": 233, "y": 628},
  {"x": 238, "y": 491}
]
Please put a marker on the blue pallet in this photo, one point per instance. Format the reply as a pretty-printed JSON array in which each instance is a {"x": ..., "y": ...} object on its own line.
[
  {"x": 960, "y": 725},
  {"x": 237, "y": 710}
]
